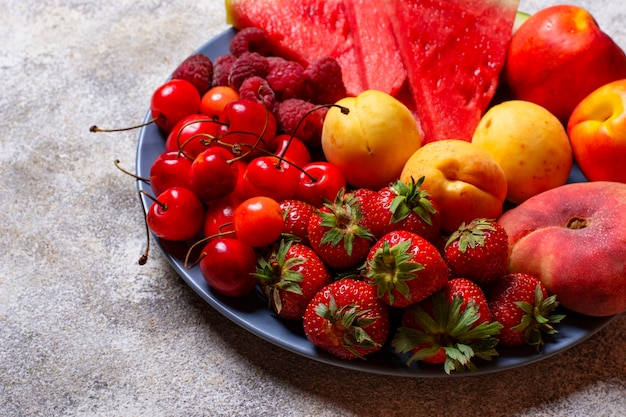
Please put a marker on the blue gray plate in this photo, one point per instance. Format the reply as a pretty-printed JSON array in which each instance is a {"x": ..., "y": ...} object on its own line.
[{"x": 252, "y": 314}]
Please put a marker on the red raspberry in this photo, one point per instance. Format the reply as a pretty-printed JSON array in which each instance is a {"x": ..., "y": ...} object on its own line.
[
  {"x": 250, "y": 39},
  {"x": 221, "y": 69},
  {"x": 286, "y": 79},
  {"x": 257, "y": 89},
  {"x": 324, "y": 82},
  {"x": 293, "y": 111},
  {"x": 247, "y": 65},
  {"x": 275, "y": 61},
  {"x": 198, "y": 70}
]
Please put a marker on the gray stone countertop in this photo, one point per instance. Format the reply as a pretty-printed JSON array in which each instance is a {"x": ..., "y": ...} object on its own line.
[{"x": 86, "y": 331}]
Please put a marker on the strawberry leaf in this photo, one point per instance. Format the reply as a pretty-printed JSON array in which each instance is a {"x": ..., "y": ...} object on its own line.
[
  {"x": 538, "y": 319},
  {"x": 471, "y": 235},
  {"x": 411, "y": 198},
  {"x": 390, "y": 267},
  {"x": 343, "y": 222},
  {"x": 450, "y": 329}
]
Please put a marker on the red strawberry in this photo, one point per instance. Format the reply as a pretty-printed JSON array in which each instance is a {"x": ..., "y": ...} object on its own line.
[
  {"x": 405, "y": 268},
  {"x": 402, "y": 206},
  {"x": 451, "y": 327},
  {"x": 347, "y": 320},
  {"x": 521, "y": 304},
  {"x": 337, "y": 235},
  {"x": 478, "y": 251},
  {"x": 297, "y": 215},
  {"x": 290, "y": 277},
  {"x": 365, "y": 197}
]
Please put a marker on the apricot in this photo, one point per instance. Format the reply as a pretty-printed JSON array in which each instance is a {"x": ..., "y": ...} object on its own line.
[
  {"x": 462, "y": 178},
  {"x": 371, "y": 143},
  {"x": 529, "y": 143}
]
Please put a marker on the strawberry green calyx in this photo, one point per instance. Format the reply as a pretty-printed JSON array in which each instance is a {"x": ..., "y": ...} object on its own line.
[
  {"x": 390, "y": 267},
  {"x": 345, "y": 326},
  {"x": 451, "y": 329},
  {"x": 343, "y": 221},
  {"x": 279, "y": 273},
  {"x": 538, "y": 319},
  {"x": 472, "y": 234},
  {"x": 411, "y": 198}
]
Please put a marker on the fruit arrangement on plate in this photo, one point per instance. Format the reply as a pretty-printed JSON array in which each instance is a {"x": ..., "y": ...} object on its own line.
[{"x": 363, "y": 185}]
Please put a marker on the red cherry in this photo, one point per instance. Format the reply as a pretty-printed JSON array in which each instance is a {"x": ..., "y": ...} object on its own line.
[
  {"x": 269, "y": 176},
  {"x": 170, "y": 169},
  {"x": 190, "y": 134},
  {"x": 319, "y": 181},
  {"x": 173, "y": 101},
  {"x": 258, "y": 221},
  {"x": 228, "y": 265},
  {"x": 176, "y": 214},
  {"x": 247, "y": 123},
  {"x": 212, "y": 174},
  {"x": 219, "y": 216},
  {"x": 239, "y": 192},
  {"x": 292, "y": 149},
  {"x": 214, "y": 100}
]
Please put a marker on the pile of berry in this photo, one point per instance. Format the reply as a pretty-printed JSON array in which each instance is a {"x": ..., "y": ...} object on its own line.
[{"x": 241, "y": 181}]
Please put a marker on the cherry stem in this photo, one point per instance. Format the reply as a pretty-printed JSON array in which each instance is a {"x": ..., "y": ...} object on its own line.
[
  {"x": 153, "y": 198},
  {"x": 144, "y": 257},
  {"x": 180, "y": 131},
  {"x": 95, "y": 128},
  {"x": 343, "y": 109},
  {"x": 199, "y": 242},
  {"x": 125, "y": 171}
]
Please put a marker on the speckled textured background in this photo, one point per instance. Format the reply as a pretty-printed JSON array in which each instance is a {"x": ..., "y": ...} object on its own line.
[{"x": 86, "y": 331}]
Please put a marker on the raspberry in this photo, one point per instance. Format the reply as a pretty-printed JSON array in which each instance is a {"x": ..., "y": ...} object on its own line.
[
  {"x": 293, "y": 111},
  {"x": 221, "y": 69},
  {"x": 250, "y": 39},
  {"x": 323, "y": 81},
  {"x": 198, "y": 70},
  {"x": 275, "y": 61},
  {"x": 247, "y": 65},
  {"x": 285, "y": 78},
  {"x": 257, "y": 89}
]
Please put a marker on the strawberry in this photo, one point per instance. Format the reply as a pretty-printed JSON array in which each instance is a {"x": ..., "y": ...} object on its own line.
[
  {"x": 478, "y": 251},
  {"x": 451, "y": 327},
  {"x": 347, "y": 320},
  {"x": 336, "y": 234},
  {"x": 290, "y": 276},
  {"x": 297, "y": 215},
  {"x": 401, "y": 206},
  {"x": 521, "y": 304},
  {"x": 405, "y": 268}
]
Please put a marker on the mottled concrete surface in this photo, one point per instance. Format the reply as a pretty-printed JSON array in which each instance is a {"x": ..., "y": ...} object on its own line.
[{"x": 85, "y": 331}]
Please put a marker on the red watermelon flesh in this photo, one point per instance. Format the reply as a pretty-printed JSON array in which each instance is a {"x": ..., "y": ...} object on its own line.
[
  {"x": 454, "y": 51},
  {"x": 304, "y": 31},
  {"x": 375, "y": 45}
]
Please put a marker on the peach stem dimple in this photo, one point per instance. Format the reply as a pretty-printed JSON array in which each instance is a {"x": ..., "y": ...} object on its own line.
[{"x": 577, "y": 223}]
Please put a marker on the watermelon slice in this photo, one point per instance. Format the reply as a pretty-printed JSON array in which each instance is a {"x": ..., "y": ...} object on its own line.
[
  {"x": 454, "y": 51},
  {"x": 375, "y": 46},
  {"x": 304, "y": 31},
  {"x": 442, "y": 58}
]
